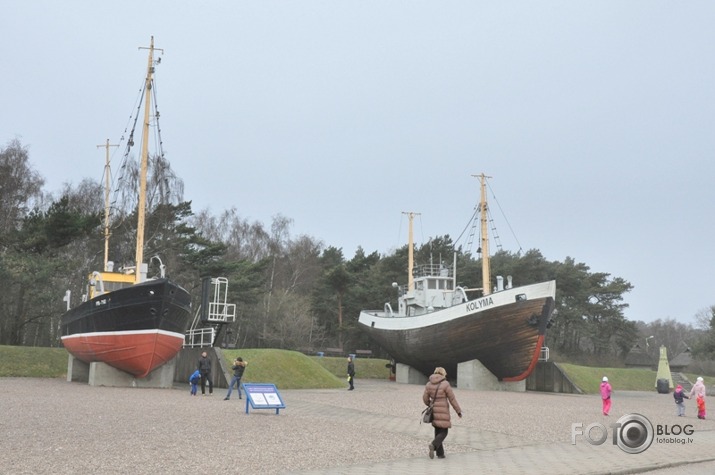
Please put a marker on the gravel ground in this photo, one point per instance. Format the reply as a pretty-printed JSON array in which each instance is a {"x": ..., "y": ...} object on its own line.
[{"x": 52, "y": 426}]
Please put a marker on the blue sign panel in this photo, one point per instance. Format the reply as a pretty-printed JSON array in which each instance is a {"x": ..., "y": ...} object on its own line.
[{"x": 263, "y": 396}]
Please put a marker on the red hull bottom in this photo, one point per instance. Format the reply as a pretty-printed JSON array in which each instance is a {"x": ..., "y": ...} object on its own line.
[
  {"x": 532, "y": 365},
  {"x": 135, "y": 352}
]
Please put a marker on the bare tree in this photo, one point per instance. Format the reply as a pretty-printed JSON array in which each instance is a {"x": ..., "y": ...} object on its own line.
[
  {"x": 244, "y": 240},
  {"x": 163, "y": 185},
  {"x": 20, "y": 185}
]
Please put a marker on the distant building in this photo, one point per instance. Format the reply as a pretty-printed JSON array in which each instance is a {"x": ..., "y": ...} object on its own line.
[
  {"x": 681, "y": 362},
  {"x": 638, "y": 358}
]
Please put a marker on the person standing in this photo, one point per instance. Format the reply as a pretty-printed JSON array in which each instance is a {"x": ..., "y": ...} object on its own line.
[
  {"x": 606, "y": 395},
  {"x": 351, "y": 373},
  {"x": 239, "y": 366},
  {"x": 438, "y": 392},
  {"x": 698, "y": 391},
  {"x": 678, "y": 395},
  {"x": 204, "y": 368}
]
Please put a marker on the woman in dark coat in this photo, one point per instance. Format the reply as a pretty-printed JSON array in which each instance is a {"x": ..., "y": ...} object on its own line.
[{"x": 439, "y": 390}]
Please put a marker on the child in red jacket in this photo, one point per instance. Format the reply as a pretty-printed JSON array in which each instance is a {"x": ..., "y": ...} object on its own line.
[{"x": 700, "y": 401}]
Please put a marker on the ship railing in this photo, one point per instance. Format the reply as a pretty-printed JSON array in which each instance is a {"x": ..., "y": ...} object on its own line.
[
  {"x": 199, "y": 337},
  {"x": 219, "y": 311},
  {"x": 432, "y": 270},
  {"x": 222, "y": 312},
  {"x": 544, "y": 353}
]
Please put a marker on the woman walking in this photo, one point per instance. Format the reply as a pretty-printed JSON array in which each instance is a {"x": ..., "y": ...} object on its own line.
[{"x": 439, "y": 393}]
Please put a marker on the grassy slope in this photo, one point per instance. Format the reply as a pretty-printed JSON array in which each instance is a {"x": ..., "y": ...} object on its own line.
[
  {"x": 293, "y": 370},
  {"x": 33, "y": 362},
  {"x": 589, "y": 379},
  {"x": 623, "y": 379},
  {"x": 366, "y": 368},
  {"x": 286, "y": 369}
]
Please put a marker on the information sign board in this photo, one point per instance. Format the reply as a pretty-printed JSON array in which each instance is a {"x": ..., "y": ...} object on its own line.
[{"x": 262, "y": 396}]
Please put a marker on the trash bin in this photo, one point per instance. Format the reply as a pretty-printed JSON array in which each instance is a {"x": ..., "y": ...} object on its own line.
[{"x": 663, "y": 386}]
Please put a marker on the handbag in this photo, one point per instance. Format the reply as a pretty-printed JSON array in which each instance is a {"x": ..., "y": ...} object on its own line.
[{"x": 427, "y": 415}]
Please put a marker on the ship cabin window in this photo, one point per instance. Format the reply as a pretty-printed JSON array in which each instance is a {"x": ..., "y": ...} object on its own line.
[
  {"x": 419, "y": 285},
  {"x": 441, "y": 284},
  {"x": 111, "y": 286}
]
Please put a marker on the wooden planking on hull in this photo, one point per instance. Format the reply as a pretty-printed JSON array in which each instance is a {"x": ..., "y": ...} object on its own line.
[{"x": 504, "y": 339}]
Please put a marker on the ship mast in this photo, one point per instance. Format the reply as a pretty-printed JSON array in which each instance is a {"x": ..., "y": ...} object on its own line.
[
  {"x": 141, "y": 207},
  {"x": 410, "y": 250},
  {"x": 107, "y": 173},
  {"x": 486, "y": 273}
]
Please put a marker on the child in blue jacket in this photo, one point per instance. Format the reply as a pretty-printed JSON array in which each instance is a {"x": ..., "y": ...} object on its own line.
[{"x": 194, "y": 380}]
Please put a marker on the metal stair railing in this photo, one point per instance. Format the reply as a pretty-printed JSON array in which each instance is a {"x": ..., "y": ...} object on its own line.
[{"x": 219, "y": 313}]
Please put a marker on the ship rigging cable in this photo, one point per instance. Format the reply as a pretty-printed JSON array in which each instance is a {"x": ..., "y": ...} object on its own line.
[{"x": 473, "y": 223}]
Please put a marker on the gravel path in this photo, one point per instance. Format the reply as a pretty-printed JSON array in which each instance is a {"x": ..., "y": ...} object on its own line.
[{"x": 52, "y": 426}]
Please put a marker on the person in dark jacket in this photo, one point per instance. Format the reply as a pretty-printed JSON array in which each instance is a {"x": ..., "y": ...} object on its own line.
[
  {"x": 194, "y": 381},
  {"x": 439, "y": 393},
  {"x": 239, "y": 366},
  {"x": 351, "y": 373},
  {"x": 679, "y": 395},
  {"x": 204, "y": 368}
]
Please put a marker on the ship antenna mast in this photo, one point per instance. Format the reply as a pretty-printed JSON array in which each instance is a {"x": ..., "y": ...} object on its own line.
[
  {"x": 141, "y": 207},
  {"x": 410, "y": 250},
  {"x": 107, "y": 174},
  {"x": 486, "y": 277}
]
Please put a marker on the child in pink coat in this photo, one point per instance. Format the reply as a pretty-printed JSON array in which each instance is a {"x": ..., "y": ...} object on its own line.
[{"x": 606, "y": 396}]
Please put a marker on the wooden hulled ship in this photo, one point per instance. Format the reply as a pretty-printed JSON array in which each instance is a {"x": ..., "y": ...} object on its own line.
[{"x": 437, "y": 324}]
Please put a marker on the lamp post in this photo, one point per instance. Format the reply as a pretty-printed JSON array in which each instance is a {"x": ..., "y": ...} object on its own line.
[{"x": 646, "y": 344}]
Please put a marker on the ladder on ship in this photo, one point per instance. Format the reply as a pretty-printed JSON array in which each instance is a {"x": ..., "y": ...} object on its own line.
[{"x": 213, "y": 313}]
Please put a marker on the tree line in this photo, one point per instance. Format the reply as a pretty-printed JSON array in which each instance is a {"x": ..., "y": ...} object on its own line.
[{"x": 291, "y": 292}]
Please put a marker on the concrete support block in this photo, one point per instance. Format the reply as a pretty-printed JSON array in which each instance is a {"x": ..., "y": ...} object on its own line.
[
  {"x": 101, "y": 374},
  {"x": 475, "y": 376},
  {"x": 408, "y": 375},
  {"x": 77, "y": 370}
]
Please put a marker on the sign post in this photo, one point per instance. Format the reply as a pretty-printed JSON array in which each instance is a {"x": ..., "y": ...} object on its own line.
[{"x": 263, "y": 396}]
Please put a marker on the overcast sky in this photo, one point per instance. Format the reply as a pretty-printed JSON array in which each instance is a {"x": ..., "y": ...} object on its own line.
[{"x": 596, "y": 119}]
